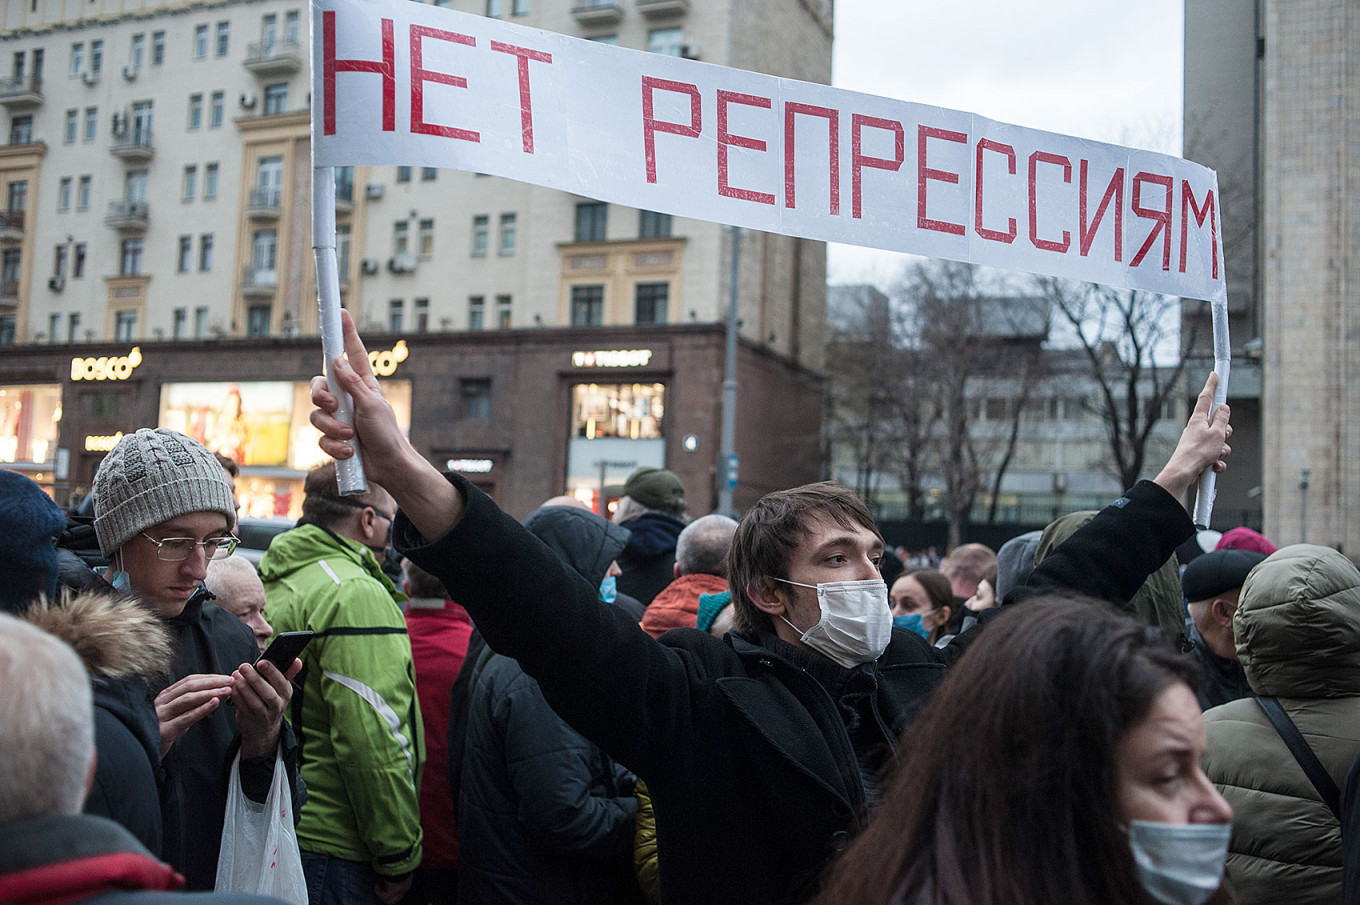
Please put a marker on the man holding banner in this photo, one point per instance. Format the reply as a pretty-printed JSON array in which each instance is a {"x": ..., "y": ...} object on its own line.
[{"x": 761, "y": 750}]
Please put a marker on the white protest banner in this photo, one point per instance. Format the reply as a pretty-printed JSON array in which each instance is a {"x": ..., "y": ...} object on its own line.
[{"x": 415, "y": 84}]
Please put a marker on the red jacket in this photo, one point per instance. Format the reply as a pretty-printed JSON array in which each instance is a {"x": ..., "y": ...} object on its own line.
[
  {"x": 439, "y": 632},
  {"x": 677, "y": 606}
]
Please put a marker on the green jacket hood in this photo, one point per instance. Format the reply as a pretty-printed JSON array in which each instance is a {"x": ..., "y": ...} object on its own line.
[
  {"x": 304, "y": 545},
  {"x": 1297, "y": 626}
]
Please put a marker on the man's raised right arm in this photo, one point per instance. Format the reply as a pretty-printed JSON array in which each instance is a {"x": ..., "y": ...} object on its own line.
[{"x": 431, "y": 503}]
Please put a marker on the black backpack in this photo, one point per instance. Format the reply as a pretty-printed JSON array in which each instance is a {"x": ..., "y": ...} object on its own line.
[{"x": 1344, "y": 805}]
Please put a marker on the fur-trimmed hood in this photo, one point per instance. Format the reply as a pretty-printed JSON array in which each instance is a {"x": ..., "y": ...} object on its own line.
[{"x": 115, "y": 635}]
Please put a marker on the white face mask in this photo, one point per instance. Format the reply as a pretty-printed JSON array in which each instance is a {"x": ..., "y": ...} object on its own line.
[
  {"x": 1179, "y": 864},
  {"x": 856, "y": 622}
]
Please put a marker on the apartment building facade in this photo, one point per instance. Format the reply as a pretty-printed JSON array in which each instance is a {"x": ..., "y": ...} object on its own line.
[{"x": 156, "y": 184}]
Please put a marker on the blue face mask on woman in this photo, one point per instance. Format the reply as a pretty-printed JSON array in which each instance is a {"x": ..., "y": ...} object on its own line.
[
  {"x": 913, "y": 621},
  {"x": 609, "y": 589}
]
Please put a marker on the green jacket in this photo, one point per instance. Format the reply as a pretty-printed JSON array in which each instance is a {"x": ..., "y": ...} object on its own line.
[
  {"x": 355, "y": 711},
  {"x": 1297, "y": 630}
]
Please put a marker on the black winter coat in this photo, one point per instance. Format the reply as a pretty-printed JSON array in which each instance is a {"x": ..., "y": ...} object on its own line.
[
  {"x": 197, "y": 768},
  {"x": 753, "y": 777},
  {"x": 127, "y": 739},
  {"x": 543, "y": 815},
  {"x": 648, "y": 562}
]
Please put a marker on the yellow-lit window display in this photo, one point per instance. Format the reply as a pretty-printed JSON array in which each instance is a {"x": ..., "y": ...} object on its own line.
[
  {"x": 631, "y": 411},
  {"x": 29, "y": 419},
  {"x": 262, "y": 426}
]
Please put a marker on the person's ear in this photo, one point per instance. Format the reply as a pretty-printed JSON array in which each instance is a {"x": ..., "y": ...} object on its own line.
[
  {"x": 767, "y": 596},
  {"x": 675, "y": 570},
  {"x": 945, "y": 612},
  {"x": 1222, "y": 611}
]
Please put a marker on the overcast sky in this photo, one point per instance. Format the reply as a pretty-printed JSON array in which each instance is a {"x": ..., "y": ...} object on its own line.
[{"x": 1101, "y": 70}]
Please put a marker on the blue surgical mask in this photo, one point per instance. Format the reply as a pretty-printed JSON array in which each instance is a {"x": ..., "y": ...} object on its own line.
[
  {"x": 913, "y": 621},
  {"x": 609, "y": 589},
  {"x": 1179, "y": 864},
  {"x": 120, "y": 581}
]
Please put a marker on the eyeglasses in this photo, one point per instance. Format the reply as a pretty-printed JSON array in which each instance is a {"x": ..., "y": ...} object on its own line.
[{"x": 178, "y": 549}]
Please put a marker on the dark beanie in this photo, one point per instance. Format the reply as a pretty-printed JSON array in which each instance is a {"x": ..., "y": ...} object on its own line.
[
  {"x": 29, "y": 525},
  {"x": 1217, "y": 573},
  {"x": 656, "y": 488}
]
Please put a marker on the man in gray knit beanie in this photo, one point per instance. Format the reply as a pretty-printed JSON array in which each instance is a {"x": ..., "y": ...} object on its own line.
[{"x": 163, "y": 508}]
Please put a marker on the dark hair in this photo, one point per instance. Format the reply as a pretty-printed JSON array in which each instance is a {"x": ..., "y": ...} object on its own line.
[
  {"x": 769, "y": 533},
  {"x": 1005, "y": 794},
  {"x": 322, "y": 503},
  {"x": 938, "y": 591},
  {"x": 228, "y": 465}
]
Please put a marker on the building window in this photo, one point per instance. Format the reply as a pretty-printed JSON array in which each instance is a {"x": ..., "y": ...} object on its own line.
[
  {"x": 130, "y": 264},
  {"x": 481, "y": 225},
  {"x": 209, "y": 181},
  {"x": 137, "y": 54},
  {"x": 264, "y": 254},
  {"x": 495, "y": 8},
  {"x": 649, "y": 302},
  {"x": 190, "y": 182},
  {"x": 179, "y": 323},
  {"x": 215, "y": 108},
  {"x": 124, "y": 326},
  {"x": 507, "y": 236},
  {"x": 426, "y": 239},
  {"x": 91, "y": 123},
  {"x": 276, "y": 99},
  {"x": 11, "y": 260},
  {"x": 59, "y": 260},
  {"x": 195, "y": 111},
  {"x": 223, "y": 38},
  {"x": 394, "y": 312},
  {"x": 186, "y": 254},
  {"x": 64, "y": 194},
  {"x": 7, "y": 329},
  {"x": 668, "y": 41},
  {"x": 476, "y": 312},
  {"x": 269, "y": 33},
  {"x": 290, "y": 26},
  {"x": 342, "y": 236},
  {"x": 72, "y": 127},
  {"x": 17, "y": 199},
  {"x": 257, "y": 320},
  {"x": 78, "y": 261},
  {"x": 422, "y": 312},
  {"x": 633, "y": 411},
  {"x": 54, "y": 328},
  {"x": 268, "y": 182},
  {"x": 476, "y": 395},
  {"x": 201, "y": 42},
  {"x": 519, "y": 7},
  {"x": 587, "y": 306},
  {"x": 652, "y": 225},
  {"x": 403, "y": 174},
  {"x": 590, "y": 221},
  {"x": 502, "y": 312},
  {"x": 134, "y": 186},
  {"x": 400, "y": 237},
  {"x": 73, "y": 327},
  {"x": 20, "y": 130},
  {"x": 157, "y": 48},
  {"x": 96, "y": 57},
  {"x": 428, "y": 174},
  {"x": 83, "y": 193},
  {"x": 77, "y": 60},
  {"x": 201, "y": 322}
]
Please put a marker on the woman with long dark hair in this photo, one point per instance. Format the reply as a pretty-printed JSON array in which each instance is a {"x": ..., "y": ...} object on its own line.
[
  {"x": 922, "y": 601},
  {"x": 1059, "y": 762}
]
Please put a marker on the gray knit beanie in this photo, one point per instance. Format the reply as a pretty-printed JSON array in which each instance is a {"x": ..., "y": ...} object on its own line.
[{"x": 151, "y": 477}]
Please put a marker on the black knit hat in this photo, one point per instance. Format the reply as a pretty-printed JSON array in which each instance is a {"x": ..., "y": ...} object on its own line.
[{"x": 1218, "y": 572}]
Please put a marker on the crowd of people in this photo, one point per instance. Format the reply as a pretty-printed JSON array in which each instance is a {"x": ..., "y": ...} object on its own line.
[{"x": 665, "y": 708}]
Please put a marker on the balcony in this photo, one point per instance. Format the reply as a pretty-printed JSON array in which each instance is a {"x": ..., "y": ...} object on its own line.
[
  {"x": 263, "y": 203},
  {"x": 660, "y": 9},
  {"x": 11, "y": 226},
  {"x": 599, "y": 12},
  {"x": 133, "y": 145},
  {"x": 257, "y": 282},
  {"x": 270, "y": 58},
  {"x": 18, "y": 94},
  {"x": 130, "y": 216}
]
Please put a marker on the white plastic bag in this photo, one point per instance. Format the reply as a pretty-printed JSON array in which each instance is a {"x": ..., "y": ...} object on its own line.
[{"x": 259, "y": 845}]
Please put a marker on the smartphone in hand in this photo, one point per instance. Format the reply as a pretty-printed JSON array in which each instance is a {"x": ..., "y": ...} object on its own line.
[{"x": 285, "y": 647}]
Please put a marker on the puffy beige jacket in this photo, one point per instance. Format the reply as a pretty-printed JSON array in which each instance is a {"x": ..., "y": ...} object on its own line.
[{"x": 1298, "y": 637}]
